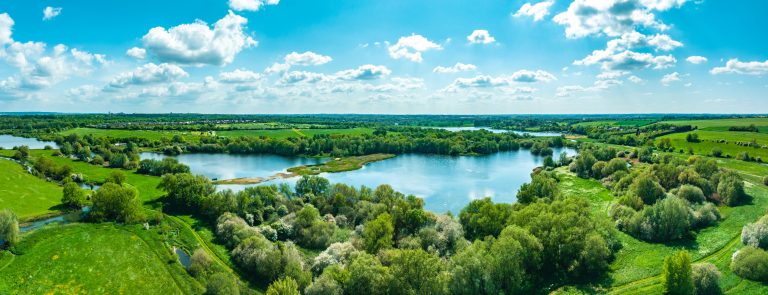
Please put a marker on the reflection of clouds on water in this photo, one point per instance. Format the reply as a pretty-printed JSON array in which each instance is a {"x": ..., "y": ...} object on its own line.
[
  {"x": 445, "y": 183},
  {"x": 9, "y": 142}
]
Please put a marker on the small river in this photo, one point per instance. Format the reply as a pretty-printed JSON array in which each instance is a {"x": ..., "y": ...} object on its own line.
[
  {"x": 446, "y": 183},
  {"x": 10, "y": 141}
]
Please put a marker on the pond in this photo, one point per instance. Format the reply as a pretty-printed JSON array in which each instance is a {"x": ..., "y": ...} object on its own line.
[
  {"x": 184, "y": 258},
  {"x": 538, "y": 134},
  {"x": 446, "y": 183},
  {"x": 10, "y": 141}
]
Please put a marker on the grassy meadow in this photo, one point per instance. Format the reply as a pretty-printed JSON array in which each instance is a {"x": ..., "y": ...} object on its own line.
[
  {"x": 93, "y": 259},
  {"x": 712, "y": 131},
  {"x": 146, "y": 134},
  {"x": 25, "y": 194},
  {"x": 286, "y": 133}
]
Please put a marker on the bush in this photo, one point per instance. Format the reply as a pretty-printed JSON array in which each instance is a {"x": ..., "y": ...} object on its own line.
[
  {"x": 614, "y": 165},
  {"x": 756, "y": 234},
  {"x": 751, "y": 263},
  {"x": 676, "y": 274},
  {"x": 113, "y": 202},
  {"x": 667, "y": 220},
  {"x": 9, "y": 227},
  {"x": 647, "y": 189},
  {"x": 541, "y": 186},
  {"x": 691, "y": 193},
  {"x": 73, "y": 196},
  {"x": 731, "y": 189},
  {"x": 378, "y": 233},
  {"x": 706, "y": 279},
  {"x": 717, "y": 152},
  {"x": 222, "y": 283},
  {"x": 765, "y": 180},
  {"x": 705, "y": 215}
]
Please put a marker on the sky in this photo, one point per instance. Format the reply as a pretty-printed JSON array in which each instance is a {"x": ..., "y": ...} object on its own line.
[{"x": 385, "y": 57}]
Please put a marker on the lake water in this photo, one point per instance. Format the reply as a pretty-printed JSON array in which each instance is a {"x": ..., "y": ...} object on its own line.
[
  {"x": 457, "y": 129},
  {"x": 9, "y": 141},
  {"x": 446, "y": 183},
  {"x": 228, "y": 166}
]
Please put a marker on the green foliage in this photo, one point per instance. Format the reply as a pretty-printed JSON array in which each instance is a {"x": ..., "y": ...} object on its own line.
[
  {"x": 161, "y": 167},
  {"x": 116, "y": 177},
  {"x": 676, "y": 274},
  {"x": 222, "y": 283},
  {"x": 690, "y": 193},
  {"x": 613, "y": 166},
  {"x": 756, "y": 234},
  {"x": 731, "y": 189},
  {"x": 9, "y": 227},
  {"x": 284, "y": 286},
  {"x": 583, "y": 164},
  {"x": 481, "y": 218},
  {"x": 542, "y": 186},
  {"x": 647, "y": 189},
  {"x": 186, "y": 190},
  {"x": 368, "y": 276},
  {"x": 706, "y": 279},
  {"x": 313, "y": 232},
  {"x": 418, "y": 272},
  {"x": 378, "y": 234},
  {"x": 73, "y": 196},
  {"x": 310, "y": 184},
  {"x": 113, "y": 202},
  {"x": 667, "y": 220},
  {"x": 717, "y": 152},
  {"x": 751, "y": 263}
]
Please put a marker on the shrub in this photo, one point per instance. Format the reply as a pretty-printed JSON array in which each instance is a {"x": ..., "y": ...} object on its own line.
[
  {"x": 647, "y": 189},
  {"x": 284, "y": 286},
  {"x": 541, "y": 186},
  {"x": 756, "y": 234},
  {"x": 691, "y": 193},
  {"x": 614, "y": 165},
  {"x": 378, "y": 233},
  {"x": 705, "y": 215},
  {"x": 667, "y": 220},
  {"x": 113, "y": 202},
  {"x": 73, "y": 196},
  {"x": 751, "y": 263},
  {"x": 9, "y": 227},
  {"x": 731, "y": 189},
  {"x": 222, "y": 283},
  {"x": 717, "y": 152},
  {"x": 706, "y": 279},
  {"x": 676, "y": 274},
  {"x": 765, "y": 180}
]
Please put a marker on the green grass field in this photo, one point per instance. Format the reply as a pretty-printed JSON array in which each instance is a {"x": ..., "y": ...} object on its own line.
[
  {"x": 285, "y": 133},
  {"x": 147, "y": 134},
  {"x": 25, "y": 194},
  {"x": 708, "y": 141},
  {"x": 622, "y": 123},
  {"x": 723, "y": 124},
  {"x": 93, "y": 259},
  {"x": 340, "y": 165},
  {"x": 637, "y": 265}
]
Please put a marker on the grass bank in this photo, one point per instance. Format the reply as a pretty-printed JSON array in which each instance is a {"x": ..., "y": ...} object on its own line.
[
  {"x": 25, "y": 194},
  {"x": 339, "y": 164}
]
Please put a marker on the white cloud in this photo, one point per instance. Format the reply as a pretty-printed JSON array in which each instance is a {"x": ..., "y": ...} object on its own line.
[
  {"x": 612, "y": 17},
  {"x": 627, "y": 60},
  {"x": 301, "y": 76},
  {"x": 149, "y": 74},
  {"x": 277, "y": 68},
  {"x": 597, "y": 86},
  {"x": 538, "y": 11},
  {"x": 696, "y": 59},
  {"x": 137, "y": 53},
  {"x": 481, "y": 81},
  {"x": 669, "y": 78},
  {"x": 364, "y": 72},
  {"x": 239, "y": 76},
  {"x": 480, "y": 37},
  {"x": 526, "y": 76},
  {"x": 411, "y": 48},
  {"x": 6, "y": 23},
  {"x": 734, "y": 66},
  {"x": 458, "y": 67},
  {"x": 198, "y": 44},
  {"x": 635, "y": 79},
  {"x": 84, "y": 91},
  {"x": 88, "y": 58},
  {"x": 308, "y": 58},
  {"x": 250, "y": 5},
  {"x": 50, "y": 12}
]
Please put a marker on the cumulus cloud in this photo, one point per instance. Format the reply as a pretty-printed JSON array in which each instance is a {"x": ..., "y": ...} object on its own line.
[
  {"x": 480, "y": 37},
  {"x": 411, "y": 47},
  {"x": 301, "y": 76},
  {"x": 84, "y": 91},
  {"x": 6, "y": 23},
  {"x": 597, "y": 86},
  {"x": 50, "y": 12},
  {"x": 458, "y": 67},
  {"x": 137, "y": 53},
  {"x": 635, "y": 79},
  {"x": 734, "y": 66},
  {"x": 364, "y": 72},
  {"x": 669, "y": 78},
  {"x": 696, "y": 59},
  {"x": 627, "y": 60},
  {"x": 481, "y": 81},
  {"x": 149, "y": 74},
  {"x": 527, "y": 76},
  {"x": 88, "y": 58},
  {"x": 239, "y": 76},
  {"x": 307, "y": 58},
  {"x": 198, "y": 44},
  {"x": 612, "y": 17},
  {"x": 538, "y": 11},
  {"x": 250, "y": 5}
]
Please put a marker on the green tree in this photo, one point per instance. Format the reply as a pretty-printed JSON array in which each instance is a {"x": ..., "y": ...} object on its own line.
[
  {"x": 73, "y": 196},
  {"x": 542, "y": 186},
  {"x": 9, "y": 227},
  {"x": 116, "y": 177},
  {"x": 378, "y": 233},
  {"x": 647, "y": 189},
  {"x": 284, "y": 286},
  {"x": 222, "y": 283},
  {"x": 481, "y": 218},
  {"x": 368, "y": 276},
  {"x": 418, "y": 272},
  {"x": 315, "y": 185},
  {"x": 116, "y": 203},
  {"x": 751, "y": 263},
  {"x": 731, "y": 189},
  {"x": 186, "y": 190},
  {"x": 676, "y": 274},
  {"x": 706, "y": 279}
]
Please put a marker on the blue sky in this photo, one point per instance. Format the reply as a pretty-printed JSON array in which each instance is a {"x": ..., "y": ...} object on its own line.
[{"x": 347, "y": 56}]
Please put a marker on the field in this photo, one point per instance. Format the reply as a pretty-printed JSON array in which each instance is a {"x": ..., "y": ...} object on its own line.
[
  {"x": 95, "y": 259},
  {"x": 621, "y": 123},
  {"x": 146, "y": 134},
  {"x": 25, "y": 194},
  {"x": 637, "y": 265},
  {"x": 285, "y": 133},
  {"x": 723, "y": 124},
  {"x": 717, "y": 130}
]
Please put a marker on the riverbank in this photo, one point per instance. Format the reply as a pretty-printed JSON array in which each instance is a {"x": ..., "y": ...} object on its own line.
[{"x": 255, "y": 180}]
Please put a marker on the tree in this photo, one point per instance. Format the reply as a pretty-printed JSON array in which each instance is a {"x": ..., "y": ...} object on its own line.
[
  {"x": 706, "y": 279},
  {"x": 200, "y": 263},
  {"x": 116, "y": 177},
  {"x": 751, "y": 263},
  {"x": 9, "y": 227},
  {"x": 418, "y": 272},
  {"x": 647, "y": 189},
  {"x": 116, "y": 203},
  {"x": 222, "y": 283},
  {"x": 676, "y": 274},
  {"x": 549, "y": 162},
  {"x": 284, "y": 286},
  {"x": 481, "y": 218},
  {"x": 668, "y": 219},
  {"x": 186, "y": 190},
  {"x": 315, "y": 185},
  {"x": 368, "y": 276},
  {"x": 73, "y": 196},
  {"x": 541, "y": 187},
  {"x": 756, "y": 234},
  {"x": 378, "y": 233},
  {"x": 691, "y": 193},
  {"x": 731, "y": 189}
]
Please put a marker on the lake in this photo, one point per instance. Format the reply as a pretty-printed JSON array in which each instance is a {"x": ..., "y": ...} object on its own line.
[
  {"x": 10, "y": 141},
  {"x": 446, "y": 183},
  {"x": 538, "y": 134}
]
